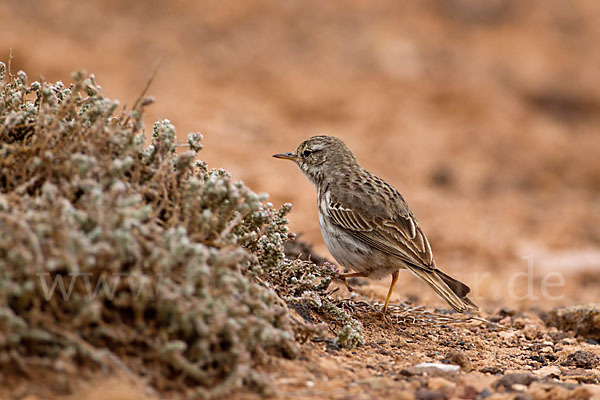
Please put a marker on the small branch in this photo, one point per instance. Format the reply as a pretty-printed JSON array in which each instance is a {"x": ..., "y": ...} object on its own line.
[{"x": 145, "y": 90}]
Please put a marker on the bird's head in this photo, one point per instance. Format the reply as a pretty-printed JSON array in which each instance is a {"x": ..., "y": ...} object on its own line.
[{"x": 319, "y": 153}]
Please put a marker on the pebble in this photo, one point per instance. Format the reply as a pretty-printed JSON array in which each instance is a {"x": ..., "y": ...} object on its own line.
[
  {"x": 441, "y": 367},
  {"x": 584, "y": 320},
  {"x": 507, "y": 334},
  {"x": 423, "y": 394},
  {"x": 433, "y": 369},
  {"x": 517, "y": 387},
  {"x": 491, "y": 370},
  {"x": 460, "y": 359},
  {"x": 530, "y": 331},
  {"x": 510, "y": 380},
  {"x": 440, "y": 384},
  {"x": 582, "y": 359},
  {"x": 332, "y": 348},
  {"x": 377, "y": 383},
  {"x": 580, "y": 375},
  {"x": 550, "y": 370}
]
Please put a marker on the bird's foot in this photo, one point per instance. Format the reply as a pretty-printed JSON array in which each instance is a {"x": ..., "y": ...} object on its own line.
[{"x": 344, "y": 278}]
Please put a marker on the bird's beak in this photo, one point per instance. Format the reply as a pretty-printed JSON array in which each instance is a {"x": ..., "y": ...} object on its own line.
[{"x": 286, "y": 156}]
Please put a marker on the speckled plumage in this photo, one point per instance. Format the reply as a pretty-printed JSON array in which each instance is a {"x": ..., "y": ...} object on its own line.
[{"x": 366, "y": 224}]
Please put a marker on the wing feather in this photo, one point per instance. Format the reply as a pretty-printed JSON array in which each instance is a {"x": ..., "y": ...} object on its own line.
[
  {"x": 399, "y": 235},
  {"x": 396, "y": 232}
]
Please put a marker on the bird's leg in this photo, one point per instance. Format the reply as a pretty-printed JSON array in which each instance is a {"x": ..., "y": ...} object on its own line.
[
  {"x": 344, "y": 278},
  {"x": 387, "y": 299}
]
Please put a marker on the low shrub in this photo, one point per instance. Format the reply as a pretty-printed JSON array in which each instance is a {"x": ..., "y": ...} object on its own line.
[{"x": 138, "y": 257}]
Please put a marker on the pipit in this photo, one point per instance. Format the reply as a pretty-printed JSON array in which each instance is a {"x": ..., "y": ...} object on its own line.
[{"x": 366, "y": 224}]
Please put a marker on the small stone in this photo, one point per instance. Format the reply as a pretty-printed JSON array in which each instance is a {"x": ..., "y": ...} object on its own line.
[
  {"x": 423, "y": 394},
  {"x": 550, "y": 391},
  {"x": 538, "y": 358},
  {"x": 548, "y": 371},
  {"x": 580, "y": 375},
  {"x": 581, "y": 393},
  {"x": 332, "y": 347},
  {"x": 404, "y": 395},
  {"x": 385, "y": 352},
  {"x": 460, "y": 359},
  {"x": 582, "y": 359},
  {"x": 517, "y": 387},
  {"x": 432, "y": 369},
  {"x": 520, "y": 322},
  {"x": 506, "y": 312},
  {"x": 376, "y": 383},
  {"x": 507, "y": 381},
  {"x": 441, "y": 367},
  {"x": 569, "y": 341},
  {"x": 507, "y": 334},
  {"x": 583, "y": 319},
  {"x": 530, "y": 331},
  {"x": 439, "y": 384},
  {"x": 491, "y": 370},
  {"x": 467, "y": 392}
]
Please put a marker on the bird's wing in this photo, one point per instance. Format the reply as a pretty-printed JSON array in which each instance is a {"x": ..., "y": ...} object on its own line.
[
  {"x": 394, "y": 233},
  {"x": 394, "y": 230}
]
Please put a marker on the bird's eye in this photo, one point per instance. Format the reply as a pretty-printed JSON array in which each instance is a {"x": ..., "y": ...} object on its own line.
[{"x": 306, "y": 153}]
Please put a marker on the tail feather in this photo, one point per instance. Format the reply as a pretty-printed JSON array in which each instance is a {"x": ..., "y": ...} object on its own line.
[
  {"x": 459, "y": 288},
  {"x": 451, "y": 290}
]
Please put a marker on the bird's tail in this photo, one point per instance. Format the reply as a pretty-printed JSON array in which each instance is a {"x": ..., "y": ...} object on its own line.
[{"x": 450, "y": 289}]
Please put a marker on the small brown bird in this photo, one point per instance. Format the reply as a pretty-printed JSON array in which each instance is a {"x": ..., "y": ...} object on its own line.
[{"x": 366, "y": 224}]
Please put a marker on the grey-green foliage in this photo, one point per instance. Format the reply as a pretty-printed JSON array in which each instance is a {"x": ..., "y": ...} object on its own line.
[
  {"x": 159, "y": 256},
  {"x": 304, "y": 283}
]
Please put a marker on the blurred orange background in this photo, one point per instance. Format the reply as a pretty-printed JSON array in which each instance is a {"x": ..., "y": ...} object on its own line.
[{"x": 485, "y": 115}]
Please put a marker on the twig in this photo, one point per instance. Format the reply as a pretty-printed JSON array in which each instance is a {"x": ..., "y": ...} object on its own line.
[
  {"x": 404, "y": 313},
  {"x": 145, "y": 90}
]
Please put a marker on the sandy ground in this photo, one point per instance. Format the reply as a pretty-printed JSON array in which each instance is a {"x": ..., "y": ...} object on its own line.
[{"x": 485, "y": 115}]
